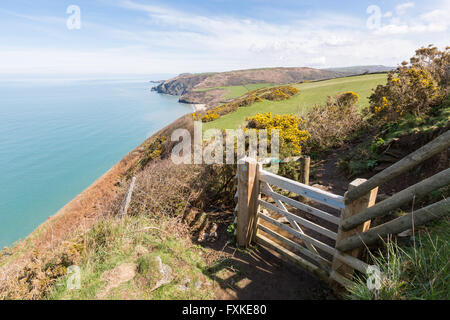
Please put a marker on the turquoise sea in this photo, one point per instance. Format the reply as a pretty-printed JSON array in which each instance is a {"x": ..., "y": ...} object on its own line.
[{"x": 57, "y": 136}]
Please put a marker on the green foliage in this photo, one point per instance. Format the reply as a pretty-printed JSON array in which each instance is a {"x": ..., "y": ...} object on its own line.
[
  {"x": 420, "y": 271},
  {"x": 231, "y": 229},
  {"x": 376, "y": 145},
  {"x": 362, "y": 158}
]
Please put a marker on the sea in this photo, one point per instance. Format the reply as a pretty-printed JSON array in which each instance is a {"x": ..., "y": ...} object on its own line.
[{"x": 59, "y": 135}]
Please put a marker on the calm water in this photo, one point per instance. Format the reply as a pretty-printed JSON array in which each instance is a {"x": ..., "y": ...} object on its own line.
[{"x": 59, "y": 136}]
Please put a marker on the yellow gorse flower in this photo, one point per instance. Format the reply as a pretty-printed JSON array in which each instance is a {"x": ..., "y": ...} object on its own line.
[{"x": 287, "y": 125}]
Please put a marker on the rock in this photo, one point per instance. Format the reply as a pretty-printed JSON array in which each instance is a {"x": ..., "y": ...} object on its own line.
[
  {"x": 115, "y": 277},
  {"x": 213, "y": 237},
  {"x": 166, "y": 273}
]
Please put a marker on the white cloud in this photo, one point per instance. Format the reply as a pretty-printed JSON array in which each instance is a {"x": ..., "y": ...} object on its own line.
[
  {"x": 172, "y": 41},
  {"x": 435, "y": 21},
  {"x": 402, "y": 8}
]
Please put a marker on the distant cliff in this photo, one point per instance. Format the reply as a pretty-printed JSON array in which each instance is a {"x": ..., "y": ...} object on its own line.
[{"x": 206, "y": 87}]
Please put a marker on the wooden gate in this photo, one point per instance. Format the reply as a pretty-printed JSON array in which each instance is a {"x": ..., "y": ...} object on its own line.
[{"x": 308, "y": 239}]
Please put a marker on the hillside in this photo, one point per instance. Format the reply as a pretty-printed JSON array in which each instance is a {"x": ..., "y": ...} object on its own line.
[
  {"x": 211, "y": 88},
  {"x": 310, "y": 94}
]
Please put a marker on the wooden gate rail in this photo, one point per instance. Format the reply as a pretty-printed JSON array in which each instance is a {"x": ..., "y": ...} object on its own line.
[
  {"x": 322, "y": 274},
  {"x": 401, "y": 198},
  {"x": 416, "y": 218},
  {"x": 291, "y": 243},
  {"x": 324, "y": 197},
  {"x": 357, "y": 209},
  {"x": 308, "y": 224},
  {"x": 302, "y": 206},
  {"x": 432, "y": 148},
  {"x": 302, "y": 236}
]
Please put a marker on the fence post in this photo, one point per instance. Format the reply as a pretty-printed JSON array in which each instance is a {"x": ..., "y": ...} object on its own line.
[
  {"x": 307, "y": 164},
  {"x": 352, "y": 208},
  {"x": 248, "y": 193}
]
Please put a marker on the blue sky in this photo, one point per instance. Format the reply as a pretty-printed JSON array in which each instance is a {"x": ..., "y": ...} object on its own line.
[{"x": 146, "y": 36}]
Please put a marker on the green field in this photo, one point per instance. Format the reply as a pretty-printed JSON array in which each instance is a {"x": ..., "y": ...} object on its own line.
[
  {"x": 237, "y": 91},
  {"x": 310, "y": 94}
]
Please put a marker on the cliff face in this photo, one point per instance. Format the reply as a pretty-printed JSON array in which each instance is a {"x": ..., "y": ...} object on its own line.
[
  {"x": 180, "y": 84},
  {"x": 187, "y": 85}
]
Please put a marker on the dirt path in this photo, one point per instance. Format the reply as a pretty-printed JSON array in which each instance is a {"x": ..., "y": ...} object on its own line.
[
  {"x": 327, "y": 173},
  {"x": 259, "y": 273}
]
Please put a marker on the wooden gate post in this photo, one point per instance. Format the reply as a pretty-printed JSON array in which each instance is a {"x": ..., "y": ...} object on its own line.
[
  {"x": 339, "y": 268},
  {"x": 306, "y": 165},
  {"x": 248, "y": 193}
]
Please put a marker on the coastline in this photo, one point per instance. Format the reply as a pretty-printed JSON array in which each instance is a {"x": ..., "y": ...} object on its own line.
[{"x": 82, "y": 211}]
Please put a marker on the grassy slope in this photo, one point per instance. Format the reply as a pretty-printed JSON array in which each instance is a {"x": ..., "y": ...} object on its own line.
[
  {"x": 310, "y": 94},
  {"x": 137, "y": 242},
  {"x": 237, "y": 91}
]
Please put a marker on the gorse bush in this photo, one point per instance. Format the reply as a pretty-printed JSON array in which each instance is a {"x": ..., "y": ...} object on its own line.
[
  {"x": 288, "y": 125},
  {"x": 153, "y": 151},
  {"x": 413, "y": 88},
  {"x": 331, "y": 125}
]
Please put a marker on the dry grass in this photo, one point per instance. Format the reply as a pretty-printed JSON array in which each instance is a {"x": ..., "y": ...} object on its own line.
[{"x": 165, "y": 188}]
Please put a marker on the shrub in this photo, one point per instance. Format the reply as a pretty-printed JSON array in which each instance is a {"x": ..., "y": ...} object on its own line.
[
  {"x": 291, "y": 136},
  {"x": 211, "y": 115},
  {"x": 347, "y": 99},
  {"x": 153, "y": 150},
  {"x": 332, "y": 124},
  {"x": 413, "y": 88}
]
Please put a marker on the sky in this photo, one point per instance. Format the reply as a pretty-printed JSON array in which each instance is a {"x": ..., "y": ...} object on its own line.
[{"x": 173, "y": 36}]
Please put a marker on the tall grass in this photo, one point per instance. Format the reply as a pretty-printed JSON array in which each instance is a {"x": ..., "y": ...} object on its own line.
[{"x": 418, "y": 271}]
